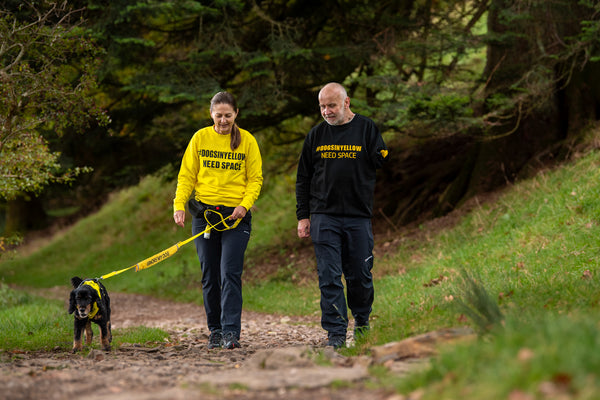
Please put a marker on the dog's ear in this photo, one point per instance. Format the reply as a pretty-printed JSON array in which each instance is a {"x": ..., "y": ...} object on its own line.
[
  {"x": 72, "y": 305},
  {"x": 76, "y": 281}
]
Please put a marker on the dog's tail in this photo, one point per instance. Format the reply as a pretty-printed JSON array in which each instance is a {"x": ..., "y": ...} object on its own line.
[{"x": 76, "y": 281}]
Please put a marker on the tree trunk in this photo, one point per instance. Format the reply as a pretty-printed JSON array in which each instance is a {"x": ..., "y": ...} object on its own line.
[
  {"x": 434, "y": 177},
  {"x": 561, "y": 103},
  {"x": 580, "y": 98}
]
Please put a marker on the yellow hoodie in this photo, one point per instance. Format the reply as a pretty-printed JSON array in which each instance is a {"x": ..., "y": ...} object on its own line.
[{"x": 219, "y": 175}]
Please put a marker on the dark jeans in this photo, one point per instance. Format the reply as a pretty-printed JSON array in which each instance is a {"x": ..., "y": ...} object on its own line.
[
  {"x": 222, "y": 259},
  {"x": 343, "y": 246}
]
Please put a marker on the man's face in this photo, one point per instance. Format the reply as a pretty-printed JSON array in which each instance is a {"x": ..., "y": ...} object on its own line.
[{"x": 333, "y": 106}]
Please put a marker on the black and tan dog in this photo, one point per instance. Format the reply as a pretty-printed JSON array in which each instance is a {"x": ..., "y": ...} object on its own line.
[{"x": 90, "y": 302}]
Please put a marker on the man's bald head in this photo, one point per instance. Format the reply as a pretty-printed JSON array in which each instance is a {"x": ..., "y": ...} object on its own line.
[
  {"x": 335, "y": 104},
  {"x": 333, "y": 88}
]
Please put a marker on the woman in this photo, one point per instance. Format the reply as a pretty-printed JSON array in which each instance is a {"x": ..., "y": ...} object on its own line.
[{"x": 222, "y": 164}]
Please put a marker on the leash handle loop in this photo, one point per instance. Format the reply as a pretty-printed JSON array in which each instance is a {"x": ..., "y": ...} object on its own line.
[{"x": 223, "y": 221}]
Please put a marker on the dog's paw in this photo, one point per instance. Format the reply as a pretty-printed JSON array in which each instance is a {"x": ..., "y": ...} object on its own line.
[{"x": 77, "y": 346}]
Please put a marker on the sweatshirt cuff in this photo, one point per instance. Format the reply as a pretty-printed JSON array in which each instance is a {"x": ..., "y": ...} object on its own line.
[{"x": 178, "y": 207}]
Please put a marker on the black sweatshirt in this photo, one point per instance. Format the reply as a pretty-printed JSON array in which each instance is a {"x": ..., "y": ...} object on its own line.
[{"x": 336, "y": 171}]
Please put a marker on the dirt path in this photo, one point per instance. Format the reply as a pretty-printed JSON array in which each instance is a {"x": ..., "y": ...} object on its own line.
[{"x": 281, "y": 358}]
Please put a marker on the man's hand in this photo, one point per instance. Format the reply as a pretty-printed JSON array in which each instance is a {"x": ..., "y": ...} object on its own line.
[{"x": 304, "y": 228}]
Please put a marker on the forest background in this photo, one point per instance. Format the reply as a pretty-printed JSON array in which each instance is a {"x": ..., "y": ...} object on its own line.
[{"x": 469, "y": 95}]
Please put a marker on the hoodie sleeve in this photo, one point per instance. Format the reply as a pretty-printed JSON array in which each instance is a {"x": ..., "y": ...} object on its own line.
[
  {"x": 253, "y": 174},
  {"x": 377, "y": 148},
  {"x": 188, "y": 174},
  {"x": 303, "y": 179}
]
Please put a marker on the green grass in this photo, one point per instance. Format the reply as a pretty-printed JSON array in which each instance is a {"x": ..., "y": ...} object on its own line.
[
  {"x": 282, "y": 298},
  {"x": 550, "y": 353},
  {"x": 533, "y": 253},
  {"x": 30, "y": 322},
  {"x": 35, "y": 325}
]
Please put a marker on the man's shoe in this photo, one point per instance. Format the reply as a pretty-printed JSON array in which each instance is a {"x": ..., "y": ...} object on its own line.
[
  {"x": 214, "y": 340},
  {"x": 336, "y": 341},
  {"x": 230, "y": 341}
]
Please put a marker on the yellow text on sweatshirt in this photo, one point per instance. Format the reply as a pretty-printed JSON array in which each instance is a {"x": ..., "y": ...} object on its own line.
[{"x": 219, "y": 175}]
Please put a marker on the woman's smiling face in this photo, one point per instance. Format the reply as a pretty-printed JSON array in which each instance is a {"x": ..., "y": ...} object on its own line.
[{"x": 223, "y": 115}]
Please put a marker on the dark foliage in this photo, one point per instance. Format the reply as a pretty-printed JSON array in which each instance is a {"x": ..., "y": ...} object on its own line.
[{"x": 466, "y": 107}]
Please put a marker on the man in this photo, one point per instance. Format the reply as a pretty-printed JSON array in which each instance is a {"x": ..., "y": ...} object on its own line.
[{"x": 334, "y": 195}]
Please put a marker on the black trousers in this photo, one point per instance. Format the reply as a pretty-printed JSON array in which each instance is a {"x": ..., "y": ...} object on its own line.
[
  {"x": 343, "y": 246},
  {"x": 222, "y": 259}
]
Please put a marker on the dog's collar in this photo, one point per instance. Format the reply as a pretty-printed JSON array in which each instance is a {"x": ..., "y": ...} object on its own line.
[
  {"x": 94, "y": 285},
  {"x": 94, "y": 311}
]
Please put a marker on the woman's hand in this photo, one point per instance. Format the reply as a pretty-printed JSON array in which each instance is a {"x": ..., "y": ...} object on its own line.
[
  {"x": 179, "y": 217},
  {"x": 238, "y": 213}
]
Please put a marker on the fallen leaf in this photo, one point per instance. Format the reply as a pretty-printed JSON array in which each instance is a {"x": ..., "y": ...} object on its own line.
[
  {"x": 587, "y": 274},
  {"x": 525, "y": 354}
]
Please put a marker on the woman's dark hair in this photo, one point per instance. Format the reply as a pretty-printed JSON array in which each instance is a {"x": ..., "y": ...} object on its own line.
[{"x": 227, "y": 98}]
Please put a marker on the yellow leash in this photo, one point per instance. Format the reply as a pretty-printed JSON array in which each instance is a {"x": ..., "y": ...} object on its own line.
[{"x": 163, "y": 255}]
